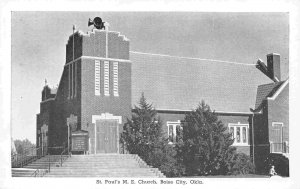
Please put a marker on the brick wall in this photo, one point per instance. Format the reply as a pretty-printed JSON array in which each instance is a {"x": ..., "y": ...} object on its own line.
[
  {"x": 96, "y": 105},
  {"x": 118, "y": 48},
  {"x": 78, "y": 45},
  {"x": 65, "y": 106},
  {"x": 226, "y": 119},
  {"x": 94, "y": 44},
  {"x": 273, "y": 111},
  {"x": 45, "y": 117},
  {"x": 279, "y": 112}
]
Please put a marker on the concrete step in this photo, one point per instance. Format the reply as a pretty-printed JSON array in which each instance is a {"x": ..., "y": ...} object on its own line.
[
  {"x": 22, "y": 172},
  {"x": 81, "y": 170},
  {"x": 106, "y": 176},
  {"x": 100, "y": 165}
]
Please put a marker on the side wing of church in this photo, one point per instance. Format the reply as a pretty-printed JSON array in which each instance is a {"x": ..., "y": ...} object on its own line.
[{"x": 102, "y": 80}]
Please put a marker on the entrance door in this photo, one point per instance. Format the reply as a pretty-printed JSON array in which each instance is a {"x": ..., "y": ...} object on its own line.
[{"x": 106, "y": 136}]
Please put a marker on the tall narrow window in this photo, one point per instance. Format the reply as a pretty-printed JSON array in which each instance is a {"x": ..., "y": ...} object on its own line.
[
  {"x": 171, "y": 133},
  {"x": 97, "y": 77},
  {"x": 231, "y": 130},
  {"x": 106, "y": 78},
  {"x": 71, "y": 82},
  {"x": 69, "y": 69},
  {"x": 116, "y": 79},
  {"x": 238, "y": 134},
  {"x": 75, "y": 75},
  {"x": 244, "y": 134},
  {"x": 179, "y": 133}
]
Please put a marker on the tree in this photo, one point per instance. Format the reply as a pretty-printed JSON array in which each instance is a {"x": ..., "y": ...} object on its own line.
[
  {"x": 23, "y": 146},
  {"x": 143, "y": 133},
  {"x": 241, "y": 164},
  {"x": 206, "y": 146}
]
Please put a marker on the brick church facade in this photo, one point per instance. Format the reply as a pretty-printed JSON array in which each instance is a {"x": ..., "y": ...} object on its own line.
[{"x": 102, "y": 80}]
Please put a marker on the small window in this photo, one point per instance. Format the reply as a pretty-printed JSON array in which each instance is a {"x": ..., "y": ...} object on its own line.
[
  {"x": 174, "y": 131},
  {"x": 239, "y": 133}
]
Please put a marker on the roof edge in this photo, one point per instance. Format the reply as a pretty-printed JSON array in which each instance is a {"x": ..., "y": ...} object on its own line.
[
  {"x": 191, "y": 58},
  {"x": 186, "y": 111},
  {"x": 279, "y": 90}
]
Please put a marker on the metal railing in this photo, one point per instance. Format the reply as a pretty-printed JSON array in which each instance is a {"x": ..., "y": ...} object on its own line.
[
  {"x": 29, "y": 155},
  {"x": 38, "y": 173},
  {"x": 279, "y": 148},
  {"x": 53, "y": 159},
  {"x": 62, "y": 157}
]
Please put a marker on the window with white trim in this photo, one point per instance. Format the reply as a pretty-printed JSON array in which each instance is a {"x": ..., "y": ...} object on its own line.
[
  {"x": 97, "y": 77},
  {"x": 106, "y": 78},
  {"x": 174, "y": 131},
  {"x": 116, "y": 79},
  {"x": 276, "y": 137},
  {"x": 240, "y": 133}
]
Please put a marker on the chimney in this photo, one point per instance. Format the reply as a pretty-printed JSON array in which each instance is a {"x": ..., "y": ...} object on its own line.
[{"x": 273, "y": 64}]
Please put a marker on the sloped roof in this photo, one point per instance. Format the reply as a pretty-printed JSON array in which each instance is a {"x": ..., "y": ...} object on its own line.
[
  {"x": 179, "y": 83},
  {"x": 266, "y": 90}
]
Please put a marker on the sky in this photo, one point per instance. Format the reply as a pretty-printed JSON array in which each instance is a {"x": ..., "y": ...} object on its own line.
[{"x": 38, "y": 42}]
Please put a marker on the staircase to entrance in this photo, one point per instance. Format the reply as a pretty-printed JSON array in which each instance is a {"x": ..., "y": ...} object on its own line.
[
  {"x": 104, "y": 165},
  {"x": 98, "y": 165}
]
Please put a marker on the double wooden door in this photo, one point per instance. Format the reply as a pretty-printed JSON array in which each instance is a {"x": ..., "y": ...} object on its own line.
[{"x": 107, "y": 136}]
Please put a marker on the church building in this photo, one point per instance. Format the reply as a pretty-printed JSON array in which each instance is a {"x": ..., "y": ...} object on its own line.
[{"x": 102, "y": 80}]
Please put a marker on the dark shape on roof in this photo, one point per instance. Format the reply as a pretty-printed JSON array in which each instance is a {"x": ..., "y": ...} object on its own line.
[
  {"x": 178, "y": 83},
  {"x": 266, "y": 90}
]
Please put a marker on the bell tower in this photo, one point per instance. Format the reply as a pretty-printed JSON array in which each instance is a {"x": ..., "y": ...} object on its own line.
[{"x": 103, "y": 67}]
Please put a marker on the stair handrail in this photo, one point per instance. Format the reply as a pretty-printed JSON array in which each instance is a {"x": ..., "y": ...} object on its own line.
[
  {"x": 49, "y": 163},
  {"x": 61, "y": 155},
  {"x": 35, "y": 172},
  {"x": 25, "y": 157}
]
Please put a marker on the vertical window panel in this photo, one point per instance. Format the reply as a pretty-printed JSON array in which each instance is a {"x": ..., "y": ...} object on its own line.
[
  {"x": 71, "y": 66},
  {"x": 238, "y": 134},
  {"x": 244, "y": 135},
  {"x": 75, "y": 82},
  {"x": 231, "y": 131},
  {"x": 73, "y": 75},
  {"x": 171, "y": 134},
  {"x": 97, "y": 77},
  {"x": 106, "y": 78},
  {"x": 178, "y": 133},
  {"x": 69, "y": 69},
  {"x": 115, "y": 79}
]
